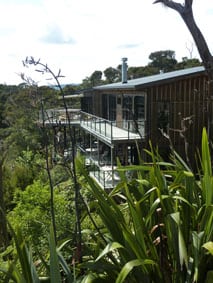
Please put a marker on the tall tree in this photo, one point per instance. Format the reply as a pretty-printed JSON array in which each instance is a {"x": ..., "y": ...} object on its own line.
[
  {"x": 95, "y": 78},
  {"x": 163, "y": 60},
  {"x": 186, "y": 12},
  {"x": 112, "y": 75}
]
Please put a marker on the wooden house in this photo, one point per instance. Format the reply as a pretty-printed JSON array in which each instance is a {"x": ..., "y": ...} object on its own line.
[{"x": 168, "y": 109}]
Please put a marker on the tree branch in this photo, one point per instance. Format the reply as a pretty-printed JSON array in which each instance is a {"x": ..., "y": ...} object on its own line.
[
  {"x": 173, "y": 5},
  {"x": 188, "y": 3}
]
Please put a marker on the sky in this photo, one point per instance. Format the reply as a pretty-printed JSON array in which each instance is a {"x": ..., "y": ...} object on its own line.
[{"x": 81, "y": 36}]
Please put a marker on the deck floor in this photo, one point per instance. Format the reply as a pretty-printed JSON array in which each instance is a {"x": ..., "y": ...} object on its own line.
[{"x": 108, "y": 131}]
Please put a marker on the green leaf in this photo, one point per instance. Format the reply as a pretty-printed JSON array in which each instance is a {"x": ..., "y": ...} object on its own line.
[
  {"x": 182, "y": 249},
  {"x": 130, "y": 265},
  {"x": 209, "y": 247},
  {"x": 54, "y": 262},
  {"x": 109, "y": 248},
  {"x": 183, "y": 257}
]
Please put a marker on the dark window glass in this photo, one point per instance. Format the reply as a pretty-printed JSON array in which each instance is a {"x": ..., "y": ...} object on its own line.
[
  {"x": 86, "y": 104},
  {"x": 139, "y": 110},
  {"x": 127, "y": 108}
]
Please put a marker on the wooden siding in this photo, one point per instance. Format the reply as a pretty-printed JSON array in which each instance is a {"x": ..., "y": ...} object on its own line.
[
  {"x": 189, "y": 107},
  {"x": 188, "y": 101}
]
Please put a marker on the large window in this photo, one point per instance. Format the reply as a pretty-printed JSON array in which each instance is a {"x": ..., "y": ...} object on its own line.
[
  {"x": 109, "y": 107},
  {"x": 112, "y": 108},
  {"x": 86, "y": 104},
  {"x": 139, "y": 108},
  {"x": 134, "y": 113},
  {"x": 127, "y": 108}
]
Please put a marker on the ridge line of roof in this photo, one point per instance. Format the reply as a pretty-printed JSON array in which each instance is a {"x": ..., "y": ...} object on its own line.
[{"x": 153, "y": 78}]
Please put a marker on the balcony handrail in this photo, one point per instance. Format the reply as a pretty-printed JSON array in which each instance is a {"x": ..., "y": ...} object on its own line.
[
  {"x": 105, "y": 127},
  {"x": 58, "y": 115},
  {"x": 91, "y": 121}
]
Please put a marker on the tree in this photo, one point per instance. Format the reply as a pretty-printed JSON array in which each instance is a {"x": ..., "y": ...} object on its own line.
[
  {"x": 186, "y": 12},
  {"x": 138, "y": 72},
  {"x": 112, "y": 75},
  {"x": 188, "y": 63},
  {"x": 163, "y": 60},
  {"x": 95, "y": 78}
]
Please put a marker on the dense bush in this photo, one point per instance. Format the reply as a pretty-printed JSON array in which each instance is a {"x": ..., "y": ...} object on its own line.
[{"x": 32, "y": 213}]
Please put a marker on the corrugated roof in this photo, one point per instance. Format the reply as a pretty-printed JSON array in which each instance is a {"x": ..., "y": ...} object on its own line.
[{"x": 131, "y": 84}]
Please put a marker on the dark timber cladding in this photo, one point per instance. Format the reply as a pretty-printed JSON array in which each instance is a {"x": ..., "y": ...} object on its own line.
[
  {"x": 177, "y": 105},
  {"x": 187, "y": 100}
]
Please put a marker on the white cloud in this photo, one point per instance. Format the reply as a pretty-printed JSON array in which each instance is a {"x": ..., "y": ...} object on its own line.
[{"x": 81, "y": 36}]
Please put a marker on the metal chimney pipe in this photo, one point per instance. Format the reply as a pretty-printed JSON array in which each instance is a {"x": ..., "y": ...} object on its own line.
[{"x": 124, "y": 70}]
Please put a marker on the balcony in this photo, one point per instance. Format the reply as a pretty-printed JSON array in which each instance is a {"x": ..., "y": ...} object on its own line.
[
  {"x": 102, "y": 170},
  {"x": 108, "y": 131},
  {"x": 60, "y": 117}
]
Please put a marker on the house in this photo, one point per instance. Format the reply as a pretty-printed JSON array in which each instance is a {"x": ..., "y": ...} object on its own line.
[{"x": 118, "y": 119}]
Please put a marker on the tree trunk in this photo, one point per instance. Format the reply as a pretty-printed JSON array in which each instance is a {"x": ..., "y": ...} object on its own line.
[
  {"x": 186, "y": 13},
  {"x": 200, "y": 41}
]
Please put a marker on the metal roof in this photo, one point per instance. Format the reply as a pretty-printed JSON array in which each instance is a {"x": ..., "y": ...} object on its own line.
[{"x": 149, "y": 80}]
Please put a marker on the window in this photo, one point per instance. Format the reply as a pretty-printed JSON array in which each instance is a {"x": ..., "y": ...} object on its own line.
[
  {"x": 86, "y": 104},
  {"x": 127, "y": 108},
  {"x": 109, "y": 107},
  {"x": 139, "y": 109},
  {"x": 112, "y": 108}
]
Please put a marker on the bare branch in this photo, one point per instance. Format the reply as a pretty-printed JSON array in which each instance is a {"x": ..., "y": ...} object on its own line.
[{"x": 173, "y": 5}]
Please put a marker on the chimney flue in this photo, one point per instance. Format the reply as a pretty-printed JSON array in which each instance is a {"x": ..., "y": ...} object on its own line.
[{"x": 124, "y": 70}]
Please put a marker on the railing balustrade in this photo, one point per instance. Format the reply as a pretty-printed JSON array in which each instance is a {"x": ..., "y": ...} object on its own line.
[
  {"x": 108, "y": 128},
  {"x": 59, "y": 116},
  {"x": 107, "y": 179}
]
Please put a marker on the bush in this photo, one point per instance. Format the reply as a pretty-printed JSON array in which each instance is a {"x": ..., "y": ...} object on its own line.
[{"x": 32, "y": 213}]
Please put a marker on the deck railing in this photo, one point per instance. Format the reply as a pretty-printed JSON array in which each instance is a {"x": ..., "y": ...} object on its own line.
[
  {"x": 107, "y": 177},
  {"x": 54, "y": 116},
  {"x": 99, "y": 126},
  {"x": 108, "y": 129}
]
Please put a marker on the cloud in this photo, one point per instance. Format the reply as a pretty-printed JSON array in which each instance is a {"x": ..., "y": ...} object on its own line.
[
  {"x": 55, "y": 35},
  {"x": 6, "y": 31},
  {"x": 129, "y": 45}
]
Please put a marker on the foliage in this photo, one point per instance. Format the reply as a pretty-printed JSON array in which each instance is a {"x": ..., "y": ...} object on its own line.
[
  {"x": 156, "y": 226},
  {"x": 112, "y": 75},
  {"x": 163, "y": 60},
  {"x": 32, "y": 213},
  {"x": 24, "y": 269}
]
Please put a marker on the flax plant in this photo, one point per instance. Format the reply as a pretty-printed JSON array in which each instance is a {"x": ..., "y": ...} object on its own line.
[{"x": 157, "y": 227}]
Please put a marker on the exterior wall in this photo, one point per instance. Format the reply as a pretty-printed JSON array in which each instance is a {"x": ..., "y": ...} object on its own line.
[
  {"x": 189, "y": 110},
  {"x": 188, "y": 113}
]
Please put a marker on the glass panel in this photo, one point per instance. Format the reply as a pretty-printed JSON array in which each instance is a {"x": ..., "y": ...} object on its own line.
[
  {"x": 105, "y": 106},
  {"x": 86, "y": 104},
  {"x": 139, "y": 108},
  {"x": 112, "y": 108},
  {"x": 109, "y": 107},
  {"x": 127, "y": 108}
]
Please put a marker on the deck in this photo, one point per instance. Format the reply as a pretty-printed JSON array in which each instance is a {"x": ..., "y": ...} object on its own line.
[
  {"x": 103, "y": 129},
  {"x": 107, "y": 130}
]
